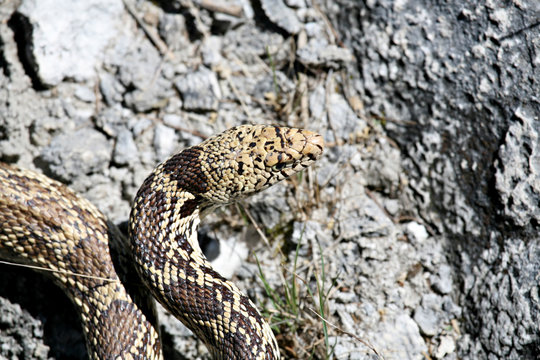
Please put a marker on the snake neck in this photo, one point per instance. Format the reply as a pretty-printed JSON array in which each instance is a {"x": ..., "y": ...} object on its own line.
[{"x": 163, "y": 236}]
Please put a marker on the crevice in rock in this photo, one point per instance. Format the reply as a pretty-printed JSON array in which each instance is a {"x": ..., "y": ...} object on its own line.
[
  {"x": 3, "y": 63},
  {"x": 22, "y": 31},
  {"x": 263, "y": 22}
]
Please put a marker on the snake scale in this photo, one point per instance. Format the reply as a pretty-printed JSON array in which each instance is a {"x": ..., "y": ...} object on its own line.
[{"x": 45, "y": 224}]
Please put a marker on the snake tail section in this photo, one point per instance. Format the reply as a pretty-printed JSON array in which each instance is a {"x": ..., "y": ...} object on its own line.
[
  {"x": 45, "y": 224},
  {"x": 166, "y": 214}
]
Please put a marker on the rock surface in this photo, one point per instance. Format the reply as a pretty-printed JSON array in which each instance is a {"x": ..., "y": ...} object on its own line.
[{"x": 457, "y": 86}]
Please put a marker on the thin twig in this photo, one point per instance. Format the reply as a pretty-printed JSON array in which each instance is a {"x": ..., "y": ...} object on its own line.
[
  {"x": 257, "y": 227},
  {"x": 150, "y": 33},
  {"x": 329, "y": 25},
  {"x": 237, "y": 94},
  {"x": 192, "y": 132}
]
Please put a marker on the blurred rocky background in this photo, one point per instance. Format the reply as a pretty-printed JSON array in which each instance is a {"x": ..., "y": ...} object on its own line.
[{"x": 415, "y": 237}]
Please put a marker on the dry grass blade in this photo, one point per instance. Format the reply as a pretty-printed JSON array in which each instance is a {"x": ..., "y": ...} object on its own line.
[
  {"x": 64, "y": 272},
  {"x": 371, "y": 347}
]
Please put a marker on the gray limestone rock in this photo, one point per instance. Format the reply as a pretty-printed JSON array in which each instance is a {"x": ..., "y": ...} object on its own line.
[
  {"x": 282, "y": 15},
  {"x": 78, "y": 153},
  {"x": 518, "y": 170},
  {"x": 111, "y": 89},
  {"x": 148, "y": 99},
  {"x": 399, "y": 338},
  {"x": 165, "y": 141},
  {"x": 427, "y": 315},
  {"x": 256, "y": 44},
  {"x": 331, "y": 56},
  {"x": 442, "y": 281},
  {"x": 85, "y": 93},
  {"x": 172, "y": 29},
  {"x": 342, "y": 118},
  {"x": 105, "y": 193},
  {"x": 68, "y": 39},
  {"x": 125, "y": 149},
  {"x": 360, "y": 215},
  {"x": 199, "y": 89},
  {"x": 23, "y": 341},
  {"x": 43, "y": 130},
  {"x": 271, "y": 217},
  {"x": 446, "y": 346},
  {"x": 141, "y": 73}
]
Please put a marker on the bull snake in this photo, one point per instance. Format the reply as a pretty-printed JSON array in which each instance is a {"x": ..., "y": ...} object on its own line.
[{"x": 46, "y": 224}]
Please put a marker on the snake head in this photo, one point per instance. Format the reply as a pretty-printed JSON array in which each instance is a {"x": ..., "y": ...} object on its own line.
[{"x": 249, "y": 158}]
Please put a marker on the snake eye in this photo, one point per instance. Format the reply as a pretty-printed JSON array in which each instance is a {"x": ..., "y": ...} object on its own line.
[
  {"x": 278, "y": 166},
  {"x": 282, "y": 165}
]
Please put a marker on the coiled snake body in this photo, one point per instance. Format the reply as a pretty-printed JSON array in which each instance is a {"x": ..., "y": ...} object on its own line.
[{"x": 44, "y": 223}]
